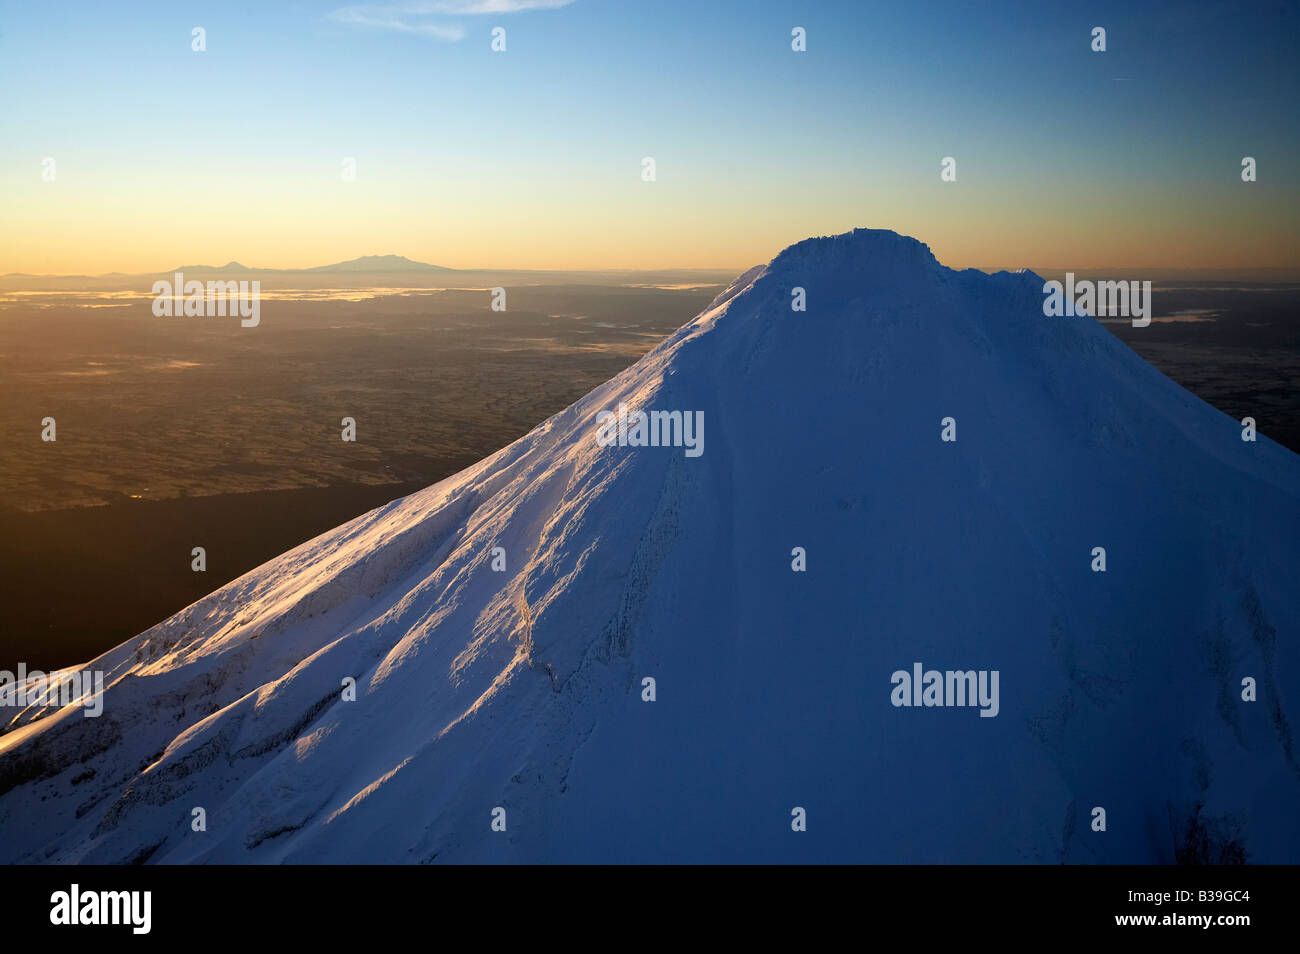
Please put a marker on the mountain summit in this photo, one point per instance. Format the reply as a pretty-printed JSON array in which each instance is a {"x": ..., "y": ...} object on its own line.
[
  {"x": 366, "y": 263},
  {"x": 380, "y": 263},
  {"x": 592, "y": 646}
]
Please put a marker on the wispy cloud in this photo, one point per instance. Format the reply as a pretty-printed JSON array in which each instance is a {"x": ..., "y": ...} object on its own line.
[{"x": 422, "y": 16}]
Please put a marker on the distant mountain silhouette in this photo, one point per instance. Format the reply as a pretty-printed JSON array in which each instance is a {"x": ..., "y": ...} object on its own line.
[
  {"x": 380, "y": 263},
  {"x": 366, "y": 263}
]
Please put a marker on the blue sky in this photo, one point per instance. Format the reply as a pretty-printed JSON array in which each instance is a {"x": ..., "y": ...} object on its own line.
[{"x": 532, "y": 156}]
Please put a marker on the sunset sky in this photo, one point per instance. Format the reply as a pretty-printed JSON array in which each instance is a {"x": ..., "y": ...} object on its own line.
[{"x": 532, "y": 157}]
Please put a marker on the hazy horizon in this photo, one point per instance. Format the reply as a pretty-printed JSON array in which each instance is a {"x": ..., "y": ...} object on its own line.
[{"x": 1276, "y": 273}]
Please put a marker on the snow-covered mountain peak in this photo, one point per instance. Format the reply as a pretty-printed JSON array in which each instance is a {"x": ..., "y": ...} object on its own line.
[
  {"x": 916, "y": 469},
  {"x": 875, "y": 249}
]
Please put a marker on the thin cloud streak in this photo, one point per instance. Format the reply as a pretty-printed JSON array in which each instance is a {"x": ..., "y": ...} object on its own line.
[{"x": 406, "y": 17}]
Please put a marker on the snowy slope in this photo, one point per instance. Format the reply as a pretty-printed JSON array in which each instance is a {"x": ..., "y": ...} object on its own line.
[{"x": 522, "y": 689}]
